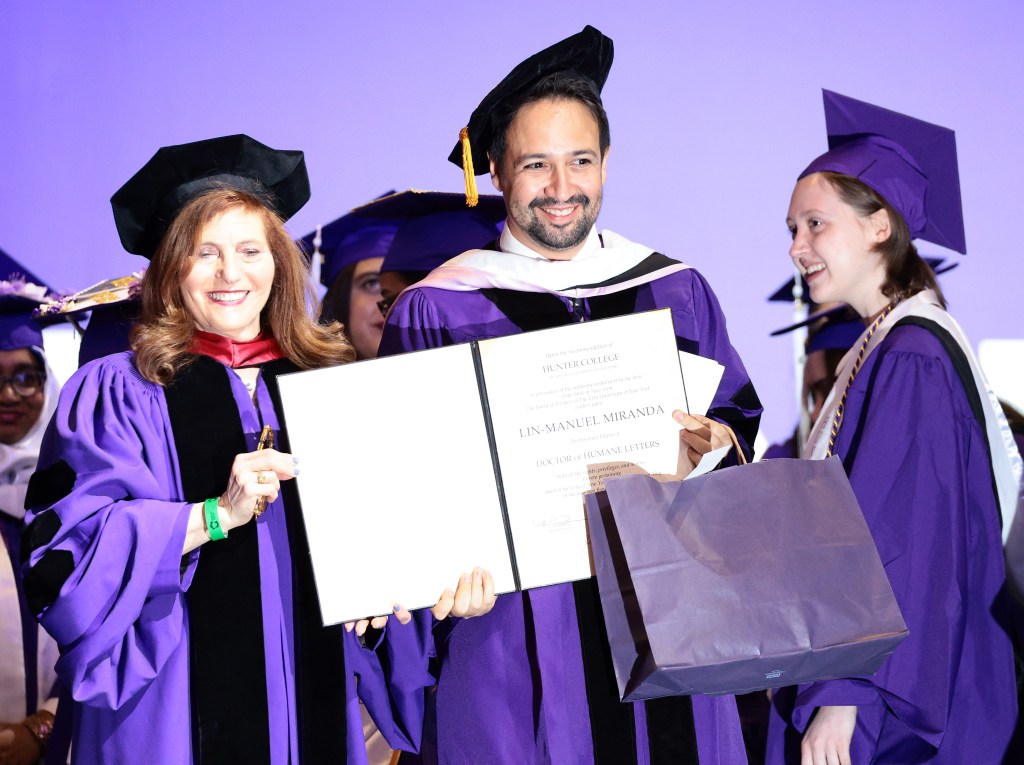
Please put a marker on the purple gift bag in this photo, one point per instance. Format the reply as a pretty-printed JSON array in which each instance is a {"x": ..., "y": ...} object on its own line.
[{"x": 752, "y": 577}]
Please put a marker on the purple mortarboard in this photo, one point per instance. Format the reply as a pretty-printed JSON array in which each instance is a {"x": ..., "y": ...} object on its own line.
[
  {"x": 835, "y": 334},
  {"x": 839, "y": 312},
  {"x": 784, "y": 294},
  {"x": 588, "y": 53},
  {"x": 145, "y": 206},
  {"x": 19, "y": 327},
  {"x": 911, "y": 163},
  {"x": 834, "y": 328},
  {"x": 436, "y": 226},
  {"x": 113, "y": 307},
  {"x": 9, "y": 265},
  {"x": 351, "y": 238}
]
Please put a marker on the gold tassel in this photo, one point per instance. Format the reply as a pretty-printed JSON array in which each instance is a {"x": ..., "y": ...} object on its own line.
[{"x": 472, "y": 197}]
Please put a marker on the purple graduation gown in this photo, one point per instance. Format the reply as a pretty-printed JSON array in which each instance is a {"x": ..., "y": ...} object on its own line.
[
  {"x": 918, "y": 462},
  {"x": 511, "y": 687},
  {"x": 108, "y": 546}
]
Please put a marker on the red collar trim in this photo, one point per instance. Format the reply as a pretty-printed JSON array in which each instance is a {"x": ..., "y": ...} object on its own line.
[{"x": 234, "y": 353}]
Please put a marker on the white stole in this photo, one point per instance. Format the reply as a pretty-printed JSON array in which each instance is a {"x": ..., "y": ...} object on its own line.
[
  {"x": 592, "y": 271},
  {"x": 1007, "y": 465}
]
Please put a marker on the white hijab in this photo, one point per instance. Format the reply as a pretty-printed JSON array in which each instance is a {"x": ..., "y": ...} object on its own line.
[
  {"x": 17, "y": 463},
  {"x": 18, "y": 460}
]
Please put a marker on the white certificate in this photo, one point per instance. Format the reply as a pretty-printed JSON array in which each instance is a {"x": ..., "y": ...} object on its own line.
[
  {"x": 570, "y": 407},
  {"x": 419, "y": 467},
  {"x": 396, "y": 480}
]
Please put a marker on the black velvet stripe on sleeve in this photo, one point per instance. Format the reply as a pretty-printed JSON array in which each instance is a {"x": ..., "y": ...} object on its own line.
[
  {"x": 48, "y": 486},
  {"x": 44, "y": 580},
  {"x": 319, "y": 657},
  {"x": 227, "y": 667},
  {"x": 745, "y": 427},
  {"x": 43, "y": 528}
]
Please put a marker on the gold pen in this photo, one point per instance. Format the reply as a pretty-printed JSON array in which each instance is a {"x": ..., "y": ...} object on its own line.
[{"x": 266, "y": 442}]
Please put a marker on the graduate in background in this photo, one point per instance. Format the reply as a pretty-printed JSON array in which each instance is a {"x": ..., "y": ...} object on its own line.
[
  {"x": 436, "y": 226},
  {"x": 830, "y": 334},
  {"x": 531, "y": 681},
  {"x": 411, "y": 228},
  {"x": 350, "y": 250},
  {"x": 921, "y": 439},
  {"x": 165, "y": 549},
  {"x": 28, "y": 396}
]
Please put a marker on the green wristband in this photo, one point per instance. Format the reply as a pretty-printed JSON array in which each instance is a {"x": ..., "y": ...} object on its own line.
[{"x": 213, "y": 527}]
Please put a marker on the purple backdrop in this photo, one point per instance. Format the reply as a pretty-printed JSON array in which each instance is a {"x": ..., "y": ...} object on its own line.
[{"x": 715, "y": 108}]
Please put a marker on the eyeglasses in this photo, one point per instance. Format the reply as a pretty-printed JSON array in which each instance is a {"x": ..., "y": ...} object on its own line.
[
  {"x": 386, "y": 304},
  {"x": 25, "y": 384}
]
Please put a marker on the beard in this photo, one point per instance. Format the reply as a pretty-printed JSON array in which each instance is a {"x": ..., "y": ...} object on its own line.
[{"x": 552, "y": 236}]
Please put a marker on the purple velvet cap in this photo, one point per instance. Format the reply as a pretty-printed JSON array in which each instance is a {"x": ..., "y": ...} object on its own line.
[
  {"x": 911, "y": 163},
  {"x": 352, "y": 238},
  {"x": 835, "y": 334},
  {"x": 436, "y": 226},
  {"x": 834, "y": 328},
  {"x": 422, "y": 244}
]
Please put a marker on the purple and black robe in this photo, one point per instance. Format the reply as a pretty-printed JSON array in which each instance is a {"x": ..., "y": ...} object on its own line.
[
  {"x": 531, "y": 682},
  {"x": 215, "y": 656},
  {"x": 915, "y": 446}
]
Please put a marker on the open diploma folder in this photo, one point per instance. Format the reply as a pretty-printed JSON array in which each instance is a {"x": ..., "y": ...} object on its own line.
[{"x": 417, "y": 468}]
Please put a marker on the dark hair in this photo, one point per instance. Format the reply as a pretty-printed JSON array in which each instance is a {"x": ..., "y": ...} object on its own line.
[
  {"x": 163, "y": 336},
  {"x": 338, "y": 298},
  {"x": 558, "y": 86},
  {"x": 906, "y": 272},
  {"x": 409, "y": 277}
]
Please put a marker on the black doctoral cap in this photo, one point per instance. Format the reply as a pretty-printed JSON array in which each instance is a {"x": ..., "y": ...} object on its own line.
[
  {"x": 145, "y": 206},
  {"x": 588, "y": 53}
]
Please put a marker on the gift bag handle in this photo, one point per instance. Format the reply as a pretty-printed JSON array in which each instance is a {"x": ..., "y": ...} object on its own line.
[{"x": 740, "y": 456}]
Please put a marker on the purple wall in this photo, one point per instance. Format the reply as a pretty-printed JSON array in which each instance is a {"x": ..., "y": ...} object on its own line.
[{"x": 714, "y": 111}]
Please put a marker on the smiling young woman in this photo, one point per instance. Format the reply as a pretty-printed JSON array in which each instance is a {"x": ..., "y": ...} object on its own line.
[
  {"x": 28, "y": 396},
  {"x": 929, "y": 457}
]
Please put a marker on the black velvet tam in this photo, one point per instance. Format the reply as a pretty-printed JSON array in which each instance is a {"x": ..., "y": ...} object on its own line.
[
  {"x": 588, "y": 53},
  {"x": 145, "y": 206}
]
